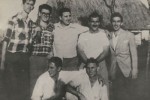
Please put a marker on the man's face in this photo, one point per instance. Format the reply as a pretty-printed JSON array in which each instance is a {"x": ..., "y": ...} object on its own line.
[
  {"x": 91, "y": 69},
  {"x": 53, "y": 70},
  {"x": 65, "y": 18},
  {"x": 116, "y": 23},
  {"x": 28, "y": 6},
  {"x": 94, "y": 23},
  {"x": 45, "y": 15}
]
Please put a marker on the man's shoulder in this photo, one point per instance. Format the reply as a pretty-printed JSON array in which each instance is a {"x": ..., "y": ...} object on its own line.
[
  {"x": 128, "y": 33},
  {"x": 44, "y": 75},
  {"x": 13, "y": 19},
  {"x": 85, "y": 34}
]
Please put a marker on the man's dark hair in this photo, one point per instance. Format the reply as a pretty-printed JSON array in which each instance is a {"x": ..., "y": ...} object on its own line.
[
  {"x": 45, "y": 6},
  {"x": 56, "y": 60},
  {"x": 94, "y": 15},
  {"x": 91, "y": 60},
  {"x": 116, "y": 14},
  {"x": 62, "y": 10},
  {"x": 24, "y": 1}
]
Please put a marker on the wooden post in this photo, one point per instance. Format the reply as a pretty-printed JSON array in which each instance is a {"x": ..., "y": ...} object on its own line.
[{"x": 148, "y": 58}]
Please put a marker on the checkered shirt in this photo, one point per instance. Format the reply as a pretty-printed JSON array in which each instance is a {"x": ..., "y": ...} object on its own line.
[
  {"x": 17, "y": 35},
  {"x": 42, "y": 43}
]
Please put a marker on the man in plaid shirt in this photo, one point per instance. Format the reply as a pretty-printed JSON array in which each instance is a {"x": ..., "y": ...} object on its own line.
[
  {"x": 42, "y": 41},
  {"x": 15, "y": 58}
]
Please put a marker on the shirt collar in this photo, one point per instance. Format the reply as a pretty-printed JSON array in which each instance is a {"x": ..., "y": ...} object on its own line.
[
  {"x": 71, "y": 25},
  {"x": 20, "y": 16},
  {"x": 118, "y": 33}
]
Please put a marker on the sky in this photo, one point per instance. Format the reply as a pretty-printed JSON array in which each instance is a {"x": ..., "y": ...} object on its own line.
[{"x": 9, "y": 8}]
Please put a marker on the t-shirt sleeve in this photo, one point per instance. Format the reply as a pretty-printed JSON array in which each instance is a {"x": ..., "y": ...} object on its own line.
[
  {"x": 38, "y": 91},
  {"x": 81, "y": 29},
  {"x": 69, "y": 76},
  {"x": 81, "y": 42},
  {"x": 78, "y": 80},
  {"x": 105, "y": 39}
]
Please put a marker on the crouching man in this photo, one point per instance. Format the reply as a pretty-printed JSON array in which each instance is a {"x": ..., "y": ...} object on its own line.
[
  {"x": 87, "y": 85},
  {"x": 48, "y": 85}
]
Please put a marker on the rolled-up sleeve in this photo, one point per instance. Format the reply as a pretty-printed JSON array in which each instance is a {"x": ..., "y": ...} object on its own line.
[{"x": 9, "y": 31}]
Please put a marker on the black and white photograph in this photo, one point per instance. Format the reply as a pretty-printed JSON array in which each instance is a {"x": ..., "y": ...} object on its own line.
[{"x": 74, "y": 49}]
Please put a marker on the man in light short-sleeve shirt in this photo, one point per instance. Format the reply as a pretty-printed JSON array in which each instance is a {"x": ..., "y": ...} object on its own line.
[{"x": 94, "y": 43}]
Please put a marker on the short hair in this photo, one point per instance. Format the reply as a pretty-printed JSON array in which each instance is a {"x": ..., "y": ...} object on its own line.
[
  {"x": 24, "y": 1},
  {"x": 91, "y": 60},
  {"x": 62, "y": 10},
  {"x": 45, "y": 6},
  {"x": 116, "y": 14},
  {"x": 95, "y": 14},
  {"x": 56, "y": 60}
]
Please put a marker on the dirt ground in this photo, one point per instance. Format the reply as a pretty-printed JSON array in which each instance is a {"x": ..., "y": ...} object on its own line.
[{"x": 141, "y": 86}]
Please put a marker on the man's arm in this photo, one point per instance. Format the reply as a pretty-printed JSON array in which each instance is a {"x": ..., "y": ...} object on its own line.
[
  {"x": 6, "y": 40},
  {"x": 73, "y": 91},
  {"x": 2, "y": 67},
  {"x": 134, "y": 58},
  {"x": 60, "y": 90},
  {"x": 104, "y": 54},
  {"x": 81, "y": 53}
]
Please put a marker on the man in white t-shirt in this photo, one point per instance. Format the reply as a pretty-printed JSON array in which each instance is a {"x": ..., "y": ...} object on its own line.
[
  {"x": 65, "y": 40},
  {"x": 94, "y": 43},
  {"x": 87, "y": 84}
]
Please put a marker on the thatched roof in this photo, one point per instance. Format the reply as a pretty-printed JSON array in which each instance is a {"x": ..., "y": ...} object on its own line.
[{"x": 135, "y": 14}]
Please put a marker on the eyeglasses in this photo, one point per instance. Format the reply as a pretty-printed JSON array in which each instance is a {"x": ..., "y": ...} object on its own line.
[{"x": 45, "y": 14}]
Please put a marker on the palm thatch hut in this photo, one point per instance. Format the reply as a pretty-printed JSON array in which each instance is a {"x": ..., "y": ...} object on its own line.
[{"x": 135, "y": 14}]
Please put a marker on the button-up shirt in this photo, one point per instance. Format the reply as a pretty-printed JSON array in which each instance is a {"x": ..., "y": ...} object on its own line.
[
  {"x": 42, "y": 42},
  {"x": 96, "y": 92},
  {"x": 65, "y": 39},
  {"x": 17, "y": 34},
  {"x": 44, "y": 87},
  {"x": 115, "y": 39}
]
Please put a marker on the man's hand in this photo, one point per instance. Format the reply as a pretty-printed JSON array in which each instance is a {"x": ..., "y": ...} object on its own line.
[
  {"x": 134, "y": 74},
  {"x": 50, "y": 27}
]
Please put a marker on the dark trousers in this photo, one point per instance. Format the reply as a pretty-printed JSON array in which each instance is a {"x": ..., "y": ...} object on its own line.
[
  {"x": 38, "y": 65},
  {"x": 17, "y": 76},
  {"x": 70, "y": 64},
  {"x": 121, "y": 86}
]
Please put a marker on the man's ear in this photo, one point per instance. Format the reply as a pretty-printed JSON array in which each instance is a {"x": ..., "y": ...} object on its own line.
[
  {"x": 59, "y": 69},
  {"x": 60, "y": 18},
  {"x": 39, "y": 14},
  {"x": 121, "y": 23}
]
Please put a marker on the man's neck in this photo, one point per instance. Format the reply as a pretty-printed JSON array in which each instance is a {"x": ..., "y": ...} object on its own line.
[
  {"x": 93, "y": 80},
  {"x": 63, "y": 25},
  {"x": 24, "y": 15},
  {"x": 43, "y": 24},
  {"x": 55, "y": 78},
  {"x": 94, "y": 31},
  {"x": 116, "y": 33}
]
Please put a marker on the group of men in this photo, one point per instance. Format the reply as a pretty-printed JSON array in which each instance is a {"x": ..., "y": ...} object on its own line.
[{"x": 46, "y": 61}]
